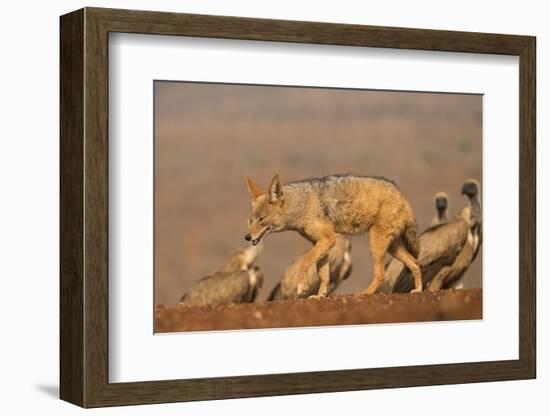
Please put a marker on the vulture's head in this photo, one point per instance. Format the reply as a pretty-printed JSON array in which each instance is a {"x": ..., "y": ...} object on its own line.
[
  {"x": 441, "y": 201},
  {"x": 470, "y": 188},
  {"x": 245, "y": 258}
]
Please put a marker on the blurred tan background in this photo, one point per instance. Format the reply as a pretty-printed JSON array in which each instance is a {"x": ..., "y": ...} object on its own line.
[{"x": 208, "y": 137}]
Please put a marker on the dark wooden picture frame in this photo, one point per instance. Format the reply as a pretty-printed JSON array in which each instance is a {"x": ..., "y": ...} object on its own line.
[{"x": 84, "y": 207}]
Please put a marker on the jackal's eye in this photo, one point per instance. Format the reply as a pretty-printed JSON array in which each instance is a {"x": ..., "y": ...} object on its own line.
[
  {"x": 261, "y": 219},
  {"x": 250, "y": 221}
]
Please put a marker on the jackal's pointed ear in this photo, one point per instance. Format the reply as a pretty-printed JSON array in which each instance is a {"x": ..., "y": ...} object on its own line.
[
  {"x": 275, "y": 189},
  {"x": 254, "y": 189}
]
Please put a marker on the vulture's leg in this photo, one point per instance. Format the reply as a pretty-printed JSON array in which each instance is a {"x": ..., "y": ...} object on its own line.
[{"x": 459, "y": 284}]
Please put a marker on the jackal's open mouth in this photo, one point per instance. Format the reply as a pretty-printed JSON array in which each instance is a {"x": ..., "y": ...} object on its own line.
[{"x": 262, "y": 235}]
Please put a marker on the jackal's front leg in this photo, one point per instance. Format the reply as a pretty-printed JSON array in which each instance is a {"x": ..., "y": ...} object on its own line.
[
  {"x": 323, "y": 270},
  {"x": 312, "y": 258}
]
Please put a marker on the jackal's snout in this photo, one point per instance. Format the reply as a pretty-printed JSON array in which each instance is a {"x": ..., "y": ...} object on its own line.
[
  {"x": 254, "y": 241},
  {"x": 256, "y": 237}
]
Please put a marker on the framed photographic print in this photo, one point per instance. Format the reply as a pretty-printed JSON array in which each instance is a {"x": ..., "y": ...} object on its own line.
[{"x": 234, "y": 189}]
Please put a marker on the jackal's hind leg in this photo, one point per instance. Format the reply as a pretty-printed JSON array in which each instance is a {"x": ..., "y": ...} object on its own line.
[
  {"x": 400, "y": 252},
  {"x": 379, "y": 243}
]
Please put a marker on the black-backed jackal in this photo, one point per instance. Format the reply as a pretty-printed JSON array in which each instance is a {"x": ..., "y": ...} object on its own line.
[{"x": 321, "y": 207}]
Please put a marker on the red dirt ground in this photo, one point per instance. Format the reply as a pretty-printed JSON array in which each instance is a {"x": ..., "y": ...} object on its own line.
[{"x": 444, "y": 305}]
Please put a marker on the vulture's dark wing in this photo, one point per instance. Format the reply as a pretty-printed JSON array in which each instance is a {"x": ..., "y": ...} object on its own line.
[
  {"x": 442, "y": 241},
  {"x": 222, "y": 288}
]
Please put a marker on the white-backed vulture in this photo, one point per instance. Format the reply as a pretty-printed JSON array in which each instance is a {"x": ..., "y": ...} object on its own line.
[
  {"x": 239, "y": 281},
  {"x": 340, "y": 265},
  {"x": 453, "y": 275},
  {"x": 446, "y": 250}
]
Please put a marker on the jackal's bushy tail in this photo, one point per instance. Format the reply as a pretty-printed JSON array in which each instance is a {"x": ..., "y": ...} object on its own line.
[{"x": 410, "y": 239}]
